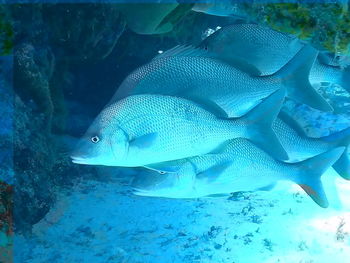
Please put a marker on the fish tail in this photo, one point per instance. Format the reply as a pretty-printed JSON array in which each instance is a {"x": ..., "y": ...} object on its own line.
[
  {"x": 345, "y": 80},
  {"x": 259, "y": 125},
  {"x": 342, "y": 166},
  {"x": 295, "y": 76},
  {"x": 309, "y": 174},
  {"x": 342, "y": 138}
]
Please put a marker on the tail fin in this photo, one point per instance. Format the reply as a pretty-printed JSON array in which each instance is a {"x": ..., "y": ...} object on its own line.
[
  {"x": 295, "y": 76},
  {"x": 342, "y": 166},
  {"x": 345, "y": 81},
  {"x": 342, "y": 138},
  {"x": 260, "y": 120},
  {"x": 310, "y": 172}
]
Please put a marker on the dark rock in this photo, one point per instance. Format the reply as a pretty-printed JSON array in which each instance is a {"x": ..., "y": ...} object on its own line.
[
  {"x": 81, "y": 32},
  {"x": 32, "y": 70},
  {"x": 40, "y": 166}
]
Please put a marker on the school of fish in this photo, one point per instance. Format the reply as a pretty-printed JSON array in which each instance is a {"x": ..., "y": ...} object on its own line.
[{"x": 207, "y": 120}]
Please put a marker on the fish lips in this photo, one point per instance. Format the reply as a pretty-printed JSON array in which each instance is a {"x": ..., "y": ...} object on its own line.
[
  {"x": 78, "y": 160},
  {"x": 82, "y": 160}
]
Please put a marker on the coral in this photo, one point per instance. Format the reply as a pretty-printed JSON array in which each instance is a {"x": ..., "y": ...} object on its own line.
[
  {"x": 60, "y": 37},
  {"x": 49, "y": 41},
  {"x": 31, "y": 78},
  {"x": 324, "y": 25},
  {"x": 341, "y": 234},
  {"x": 41, "y": 165},
  {"x": 6, "y": 219},
  {"x": 33, "y": 161},
  {"x": 6, "y": 120},
  {"x": 6, "y": 32}
]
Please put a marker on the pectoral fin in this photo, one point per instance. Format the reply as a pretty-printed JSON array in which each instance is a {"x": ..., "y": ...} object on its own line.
[
  {"x": 213, "y": 172},
  {"x": 167, "y": 167},
  {"x": 163, "y": 169},
  {"x": 267, "y": 188},
  {"x": 144, "y": 141}
]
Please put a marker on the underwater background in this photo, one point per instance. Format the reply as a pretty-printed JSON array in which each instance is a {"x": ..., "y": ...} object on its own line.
[{"x": 60, "y": 65}]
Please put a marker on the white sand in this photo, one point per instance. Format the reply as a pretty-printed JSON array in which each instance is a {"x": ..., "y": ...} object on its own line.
[{"x": 104, "y": 222}]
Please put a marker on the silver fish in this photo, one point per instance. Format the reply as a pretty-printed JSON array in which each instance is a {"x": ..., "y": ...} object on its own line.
[
  {"x": 200, "y": 76},
  {"x": 263, "y": 51},
  {"x": 300, "y": 147},
  {"x": 146, "y": 129},
  {"x": 240, "y": 166},
  {"x": 322, "y": 73},
  {"x": 256, "y": 46},
  {"x": 219, "y": 8}
]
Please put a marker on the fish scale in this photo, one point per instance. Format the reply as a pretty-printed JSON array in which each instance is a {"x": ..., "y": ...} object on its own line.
[
  {"x": 145, "y": 129},
  {"x": 329, "y": 74},
  {"x": 265, "y": 51},
  {"x": 238, "y": 166},
  {"x": 176, "y": 124},
  {"x": 180, "y": 127},
  {"x": 199, "y": 78},
  {"x": 299, "y": 147},
  {"x": 264, "y": 48}
]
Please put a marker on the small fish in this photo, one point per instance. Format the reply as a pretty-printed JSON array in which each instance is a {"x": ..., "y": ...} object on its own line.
[
  {"x": 300, "y": 147},
  {"x": 146, "y": 129},
  {"x": 200, "y": 76},
  {"x": 240, "y": 166},
  {"x": 153, "y": 18},
  {"x": 219, "y": 8}
]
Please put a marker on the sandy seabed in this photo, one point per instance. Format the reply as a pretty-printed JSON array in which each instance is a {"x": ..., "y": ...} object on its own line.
[{"x": 104, "y": 222}]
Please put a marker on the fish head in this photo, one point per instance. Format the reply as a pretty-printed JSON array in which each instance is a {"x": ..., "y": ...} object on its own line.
[
  {"x": 178, "y": 184},
  {"x": 104, "y": 143}
]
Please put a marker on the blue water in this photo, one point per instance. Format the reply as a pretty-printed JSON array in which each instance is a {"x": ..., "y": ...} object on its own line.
[{"x": 66, "y": 63}]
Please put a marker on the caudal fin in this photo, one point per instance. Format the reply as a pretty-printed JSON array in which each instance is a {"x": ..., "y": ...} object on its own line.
[
  {"x": 345, "y": 81},
  {"x": 259, "y": 121},
  {"x": 342, "y": 166},
  {"x": 342, "y": 138},
  {"x": 310, "y": 172},
  {"x": 295, "y": 76}
]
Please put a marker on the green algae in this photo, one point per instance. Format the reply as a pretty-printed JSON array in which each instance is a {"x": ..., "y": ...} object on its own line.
[
  {"x": 6, "y": 33},
  {"x": 324, "y": 25}
]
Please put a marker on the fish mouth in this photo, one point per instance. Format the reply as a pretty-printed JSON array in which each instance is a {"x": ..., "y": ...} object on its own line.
[{"x": 79, "y": 160}]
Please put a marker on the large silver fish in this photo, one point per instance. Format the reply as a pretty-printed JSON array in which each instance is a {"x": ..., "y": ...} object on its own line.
[
  {"x": 240, "y": 166},
  {"x": 260, "y": 50},
  {"x": 322, "y": 73},
  {"x": 259, "y": 47},
  {"x": 200, "y": 76},
  {"x": 300, "y": 147},
  {"x": 145, "y": 129}
]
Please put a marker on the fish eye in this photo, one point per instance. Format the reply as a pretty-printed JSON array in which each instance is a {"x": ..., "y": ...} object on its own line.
[
  {"x": 161, "y": 172},
  {"x": 95, "y": 139}
]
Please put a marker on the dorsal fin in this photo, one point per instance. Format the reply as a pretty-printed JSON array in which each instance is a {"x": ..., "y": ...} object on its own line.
[
  {"x": 259, "y": 121},
  {"x": 206, "y": 104},
  {"x": 176, "y": 14},
  {"x": 191, "y": 51},
  {"x": 185, "y": 51}
]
